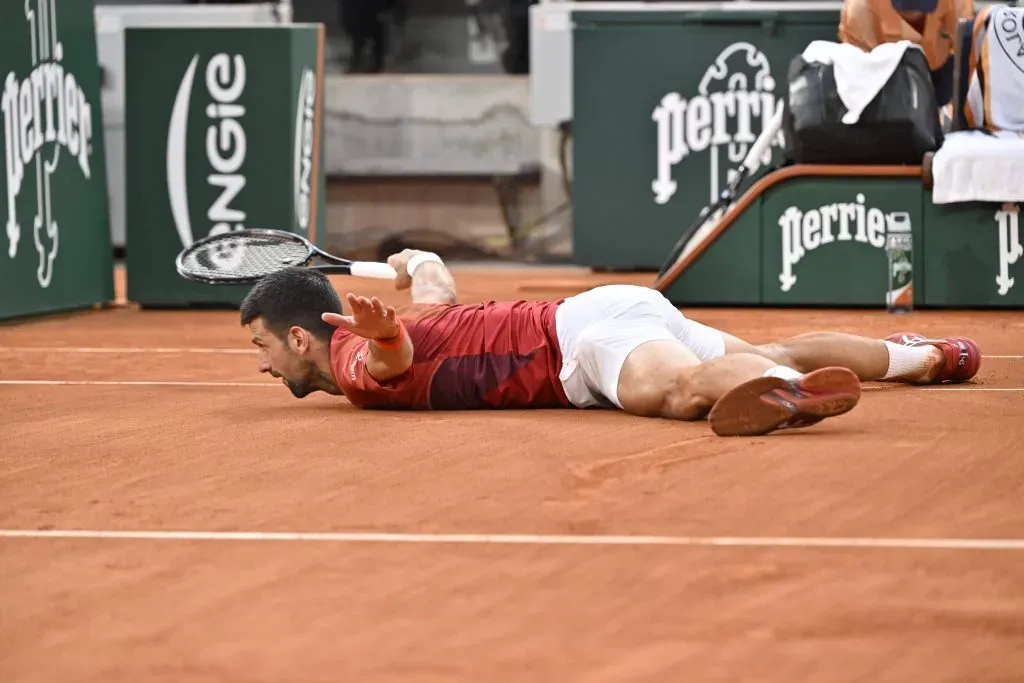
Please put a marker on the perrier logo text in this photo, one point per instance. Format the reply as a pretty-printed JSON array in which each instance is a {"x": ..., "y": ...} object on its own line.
[
  {"x": 44, "y": 112},
  {"x": 734, "y": 102},
  {"x": 1010, "y": 246},
  {"x": 805, "y": 231}
]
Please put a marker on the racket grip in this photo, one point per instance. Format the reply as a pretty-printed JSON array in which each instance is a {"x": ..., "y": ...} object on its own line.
[
  {"x": 761, "y": 145},
  {"x": 380, "y": 271}
]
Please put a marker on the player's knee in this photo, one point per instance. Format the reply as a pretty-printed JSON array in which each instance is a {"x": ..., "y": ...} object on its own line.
[
  {"x": 777, "y": 352},
  {"x": 684, "y": 399}
]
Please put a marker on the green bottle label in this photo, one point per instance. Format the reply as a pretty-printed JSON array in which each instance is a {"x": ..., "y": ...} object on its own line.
[{"x": 899, "y": 247}]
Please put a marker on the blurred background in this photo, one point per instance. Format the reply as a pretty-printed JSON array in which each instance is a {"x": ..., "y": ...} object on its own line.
[{"x": 429, "y": 140}]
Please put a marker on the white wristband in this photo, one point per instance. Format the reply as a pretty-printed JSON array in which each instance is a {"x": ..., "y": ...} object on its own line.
[{"x": 419, "y": 259}]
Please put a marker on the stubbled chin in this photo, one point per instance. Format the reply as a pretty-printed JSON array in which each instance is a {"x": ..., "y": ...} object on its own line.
[{"x": 298, "y": 392}]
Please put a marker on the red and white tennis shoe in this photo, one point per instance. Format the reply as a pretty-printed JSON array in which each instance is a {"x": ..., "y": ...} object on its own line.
[
  {"x": 765, "y": 404},
  {"x": 963, "y": 357}
]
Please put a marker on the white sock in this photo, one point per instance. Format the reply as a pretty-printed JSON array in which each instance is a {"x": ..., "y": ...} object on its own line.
[
  {"x": 908, "y": 362},
  {"x": 782, "y": 372}
]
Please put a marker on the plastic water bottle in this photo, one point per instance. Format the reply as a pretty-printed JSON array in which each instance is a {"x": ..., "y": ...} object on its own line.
[{"x": 899, "y": 252}]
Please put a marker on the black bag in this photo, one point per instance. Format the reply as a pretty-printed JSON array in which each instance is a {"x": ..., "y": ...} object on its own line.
[{"x": 899, "y": 126}]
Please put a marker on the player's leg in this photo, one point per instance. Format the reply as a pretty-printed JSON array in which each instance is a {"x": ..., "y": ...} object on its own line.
[
  {"x": 621, "y": 348},
  {"x": 903, "y": 358},
  {"x": 661, "y": 377},
  {"x": 906, "y": 357},
  {"x": 741, "y": 394},
  {"x": 869, "y": 358}
]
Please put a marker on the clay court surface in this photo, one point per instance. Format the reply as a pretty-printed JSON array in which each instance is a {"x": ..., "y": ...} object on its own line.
[{"x": 886, "y": 545}]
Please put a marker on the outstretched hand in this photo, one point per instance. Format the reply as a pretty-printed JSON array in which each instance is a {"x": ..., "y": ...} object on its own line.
[{"x": 370, "y": 318}]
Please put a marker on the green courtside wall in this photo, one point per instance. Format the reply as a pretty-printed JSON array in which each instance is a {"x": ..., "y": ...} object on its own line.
[
  {"x": 57, "y": 253},
  {"x": 640, "y": 75},
  {"x": 821, "y": 243},
  {"x": 729, "y": 272},
  {"x": 973, "y": 255},
  {"x": 222, "y": 133},
  {"x": 823, "y": 239}
]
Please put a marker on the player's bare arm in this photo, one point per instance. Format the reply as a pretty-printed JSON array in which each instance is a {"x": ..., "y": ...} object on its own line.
[
  {"x": 391, "y": 351},
  {"x": 425, "y": 274}
]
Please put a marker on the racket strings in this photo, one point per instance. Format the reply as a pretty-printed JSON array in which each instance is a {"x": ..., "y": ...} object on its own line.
[{"x": 244, "y": 258}]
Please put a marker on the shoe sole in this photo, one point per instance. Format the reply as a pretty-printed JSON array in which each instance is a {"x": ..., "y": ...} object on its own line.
[{"x": 766, "y": 404}]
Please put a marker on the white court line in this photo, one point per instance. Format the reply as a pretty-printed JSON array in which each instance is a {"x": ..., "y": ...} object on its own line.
[
  {"x": 104, "y": 349},
  {"x": 168, "y": 350},
  {"x": 102, "y": 383},
  {"x": 894, "y": 387},
  {"x": 971, "y": 389},
  {"x": 157, "y": 383},
  {"x": 529, "y": 539}
]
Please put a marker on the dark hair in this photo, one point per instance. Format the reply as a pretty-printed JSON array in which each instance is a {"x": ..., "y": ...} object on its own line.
[{"x": 293, "y": 296}]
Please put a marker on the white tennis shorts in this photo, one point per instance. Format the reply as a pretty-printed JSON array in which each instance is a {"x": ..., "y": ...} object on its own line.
[{"x": 599, "y": 328}]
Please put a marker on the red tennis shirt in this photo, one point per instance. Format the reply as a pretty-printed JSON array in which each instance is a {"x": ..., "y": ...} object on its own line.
[{"x": 466, "y": 356}]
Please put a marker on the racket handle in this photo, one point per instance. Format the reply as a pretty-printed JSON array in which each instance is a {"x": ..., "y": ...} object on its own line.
[
  {"x": 761, "y": 145},
  {"x": 380, "y": 271}
]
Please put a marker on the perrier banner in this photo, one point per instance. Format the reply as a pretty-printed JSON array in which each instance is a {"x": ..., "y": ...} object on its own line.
[
  {"x": 223, "y": 132},
  {"x": 57, "y": 251},
  {"x": 657, "y": 134}
]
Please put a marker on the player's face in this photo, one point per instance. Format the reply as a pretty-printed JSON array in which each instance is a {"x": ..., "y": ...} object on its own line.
[{"x": 279, "y": 358}]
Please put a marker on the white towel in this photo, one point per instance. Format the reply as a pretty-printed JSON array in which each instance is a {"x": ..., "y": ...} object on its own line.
[
  {"x": 972, "y": 166},
  {"x": 859, "y": 75}
]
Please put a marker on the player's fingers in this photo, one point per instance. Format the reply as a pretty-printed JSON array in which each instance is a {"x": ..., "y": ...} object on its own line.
[
  {"x": 337, "y": 319},
  {"x": 359, "y": 303},
  {"x": 402, "y": 281},
  {"x": 378, "y": 307}
]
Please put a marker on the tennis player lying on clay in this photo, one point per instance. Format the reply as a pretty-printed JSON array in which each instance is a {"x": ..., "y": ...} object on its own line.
[{"x": 615, "y": 346}]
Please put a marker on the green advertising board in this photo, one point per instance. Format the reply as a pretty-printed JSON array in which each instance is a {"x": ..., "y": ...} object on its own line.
[
  {"x": 223, "y": 132},
  {"x": 824, "y": 239},
  {"x": 665, "y": 103},
  {"x": 974, "y": 255},
  {"x": 819, "y": 240},
  {"x": 58, "y": 253},
  {"x": 728, "y": 273}
]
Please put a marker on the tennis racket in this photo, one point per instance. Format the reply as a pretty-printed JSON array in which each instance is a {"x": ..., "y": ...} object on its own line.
[
  {"x": 711, "y": 215},
  {"x": 245, "y": 256}
]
